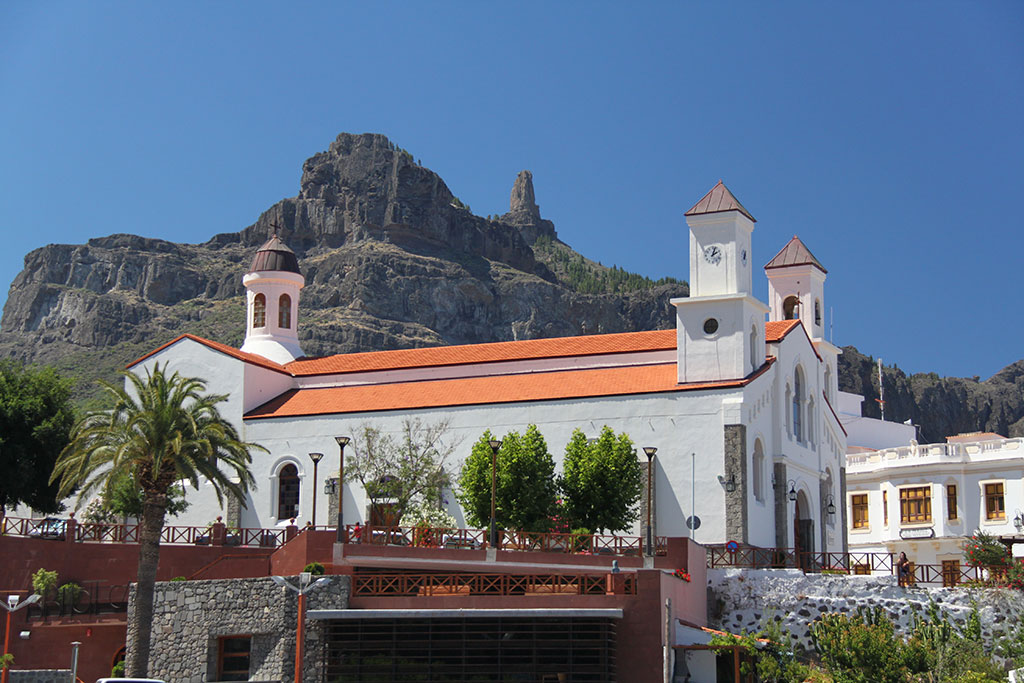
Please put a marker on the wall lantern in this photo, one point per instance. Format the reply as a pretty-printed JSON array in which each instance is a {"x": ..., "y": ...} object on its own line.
[
  {"x": 792, "y": 490},
  {"x": 1018, "y": 521},
  {"x": 729, "y": 484},
  {"x": 830, "y": 508}
]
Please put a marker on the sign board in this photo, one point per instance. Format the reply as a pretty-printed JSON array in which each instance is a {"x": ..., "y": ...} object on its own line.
[
  {"x": 693, "y": 522},
  {"x": 732, "y": 546},
  {"x": 917, "y": 533}
]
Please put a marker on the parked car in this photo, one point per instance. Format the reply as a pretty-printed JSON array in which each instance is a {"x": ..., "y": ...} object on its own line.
[{"x": 50, "y": 527}]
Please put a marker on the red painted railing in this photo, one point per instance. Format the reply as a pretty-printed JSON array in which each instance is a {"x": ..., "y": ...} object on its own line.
[
  {"x": 408, "y": 585},
  {"x": 87, "y": 532},
  {"x": 431, "y": 537}
]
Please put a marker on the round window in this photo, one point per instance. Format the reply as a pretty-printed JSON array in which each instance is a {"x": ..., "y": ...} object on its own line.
[{"x": 710, "y": 326}]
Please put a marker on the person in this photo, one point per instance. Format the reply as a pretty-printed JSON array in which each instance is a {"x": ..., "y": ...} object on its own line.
[{"x": 903, "y": 570}]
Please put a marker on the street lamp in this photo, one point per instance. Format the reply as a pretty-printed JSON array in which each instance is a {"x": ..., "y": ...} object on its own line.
[
  {"x": 316, "y": 458},
  {"x": 495, "y": 444},
  {"x": 303, "y": 588},
  {"x": 12, "y": 605},
  {"x": 649, "y": 451},
  {"x": 792, "y": 490},
  {"x": 342, "y": 442}
]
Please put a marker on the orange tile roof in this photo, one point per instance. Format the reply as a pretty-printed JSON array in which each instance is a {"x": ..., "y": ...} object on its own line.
[
  {"x": 974, "y": 436},
  {"x": 527, "y": 349},
  {"x": 538, "y": 386},
  {"x": 216, "y": 346},
  {"x": 774, "y": 331}
]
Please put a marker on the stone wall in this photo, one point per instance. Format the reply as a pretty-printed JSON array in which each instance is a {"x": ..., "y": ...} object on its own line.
[
  {"x": 40, "y": 676},
  {"x": 191, "y": 616},
  {"x": 741, "y": 600}
]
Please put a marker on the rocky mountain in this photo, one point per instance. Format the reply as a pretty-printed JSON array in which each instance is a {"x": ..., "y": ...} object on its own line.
[
  {"x": 392, "y": 259},
  {"x": 941, "y": 406}
]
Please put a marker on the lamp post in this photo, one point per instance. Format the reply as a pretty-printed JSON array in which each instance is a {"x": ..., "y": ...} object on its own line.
[
  {"x": 649, "y": 451},
  {"x": 304, "y": 586},
  {"x": 342, "y": 442},
  {"x": 495, "y": 444},
  {"x": 12, "y": 605},
  {"x": 316, "y": 458}
]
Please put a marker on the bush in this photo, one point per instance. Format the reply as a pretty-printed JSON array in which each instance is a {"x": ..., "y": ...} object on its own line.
[
  {"x": 68, "y": 594},
  {"x": 179, "y": 578},
  {"x": 314, "y": 568},
  {"x": 44, "y": 582},
  {"x": 118, "y": 670},
  {"x": 983, "y": 550}
]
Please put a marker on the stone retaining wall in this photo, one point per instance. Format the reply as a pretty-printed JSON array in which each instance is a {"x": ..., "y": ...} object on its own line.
[
  {"x": 190, "y": 617},
  {"x": 40, "y": 676},
  {"x": 741, "y": 600}
]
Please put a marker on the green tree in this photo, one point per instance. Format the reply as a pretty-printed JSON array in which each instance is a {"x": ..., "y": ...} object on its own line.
[
  {"x": 983, "y": 550},
  {"x": 36, "y": 418},
  {"x": 410, "y": 471},
  {"x": 525, "y": 482},
  {"x": 601, "y": 481},
  {"x": 163, "y": 431}
]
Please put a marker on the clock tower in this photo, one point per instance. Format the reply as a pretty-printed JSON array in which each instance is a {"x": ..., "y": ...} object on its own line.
[{"x": 720, "y": 326}]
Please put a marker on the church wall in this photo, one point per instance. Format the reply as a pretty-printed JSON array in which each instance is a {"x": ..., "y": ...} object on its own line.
[
  {"x": 223, "y": 375},
  {"x": 678, "y": 424}
]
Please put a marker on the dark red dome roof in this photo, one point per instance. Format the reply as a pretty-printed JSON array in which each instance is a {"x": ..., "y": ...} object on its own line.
[{"x": 275, "y": 255}]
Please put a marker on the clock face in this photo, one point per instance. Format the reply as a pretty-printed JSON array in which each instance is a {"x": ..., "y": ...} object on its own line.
[
  {"x": 713, "y": 255},
  {"x": 743, "y": 257}
]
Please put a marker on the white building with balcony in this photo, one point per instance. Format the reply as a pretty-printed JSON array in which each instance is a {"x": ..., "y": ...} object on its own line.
[{"x": 927, "y": 499}]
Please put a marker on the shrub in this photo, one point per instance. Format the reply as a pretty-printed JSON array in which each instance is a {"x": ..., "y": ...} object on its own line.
[
  {"x": 983, "y": 550},
  {"x": 44, "y": 582},
  {"x": 118, "y": 670},
  {"x": 314, "y": 568},
  {"x": 179, "y": 578},
  {"x": 68, "y": 594}
]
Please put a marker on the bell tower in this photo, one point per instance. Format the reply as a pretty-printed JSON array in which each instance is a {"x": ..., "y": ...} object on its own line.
[
  {"x": 796, "y": 291},
  {"x": 720, "y": 326},
  {"x": 272, "y": 303}
]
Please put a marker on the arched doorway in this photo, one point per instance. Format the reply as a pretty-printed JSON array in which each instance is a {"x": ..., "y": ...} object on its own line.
[{"x": 803, "y": 531}]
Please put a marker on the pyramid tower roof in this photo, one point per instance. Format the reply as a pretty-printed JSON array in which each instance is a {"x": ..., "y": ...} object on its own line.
[
  {"x": 795, "y": 253},
  {"x": 717, "y": 200}
]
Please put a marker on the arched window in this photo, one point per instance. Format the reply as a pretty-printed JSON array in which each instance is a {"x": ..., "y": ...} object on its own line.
[
  {"x": 789, "y": 306},
  {"x": 758, "y": 467},
  {"x": 284, "y": 312},
  {"x": 810, "y": 421},
  {"x": 828, "y": 382},
  {"x": 755, "y": 360},
  {"x": 288, "y": 492},
  {"x": 259, "y": 311},
  {"x": 817, "y": 312},
  {"x": 789, "y": 410},
  {"x": 798, "y": 401}
]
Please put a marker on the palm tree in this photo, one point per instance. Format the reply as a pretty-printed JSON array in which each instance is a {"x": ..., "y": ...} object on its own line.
[{"x": 164, "y": 430}]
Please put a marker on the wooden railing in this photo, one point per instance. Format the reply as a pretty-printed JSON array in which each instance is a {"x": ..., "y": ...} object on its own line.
[
  {"x": 749, "y": 557},
  {"x": 473, "y": 539},
  {"x": 87, "y": 532},
  {"x": 408, "y": 585}
]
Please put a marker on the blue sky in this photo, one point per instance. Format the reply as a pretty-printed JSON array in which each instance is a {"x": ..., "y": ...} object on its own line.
[{"x": 887, "y": 135}]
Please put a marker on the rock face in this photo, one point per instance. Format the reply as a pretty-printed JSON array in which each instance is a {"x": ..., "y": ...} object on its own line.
[
  {"x": 942, "y": 406},
  {"x": 392, "y": 259}
]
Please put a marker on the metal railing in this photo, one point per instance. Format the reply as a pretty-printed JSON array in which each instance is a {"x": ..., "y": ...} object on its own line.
[
  {"x": 409, "y": 585},
  {"x": 530, "y": 541},
  {"x": 94, "y": 598}
]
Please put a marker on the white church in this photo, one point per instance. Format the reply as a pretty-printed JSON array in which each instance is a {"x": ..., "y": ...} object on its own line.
[{"x": 739, "y": 408}]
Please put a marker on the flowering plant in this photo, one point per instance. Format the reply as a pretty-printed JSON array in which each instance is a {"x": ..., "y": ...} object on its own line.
[
  {"x": 983, "y": 550},
  {"x": 682, "y": 574}
]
